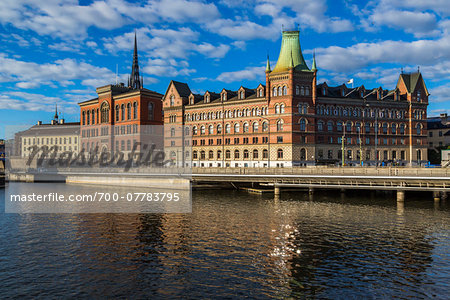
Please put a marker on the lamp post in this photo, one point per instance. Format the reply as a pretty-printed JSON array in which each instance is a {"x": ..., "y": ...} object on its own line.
[
  {"x": 343, "y": 144},
  {"x": 410, "y": 134},
  {"x": 376, "y": 135}
]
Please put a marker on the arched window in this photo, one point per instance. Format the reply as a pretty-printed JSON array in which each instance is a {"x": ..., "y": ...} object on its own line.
[
  {"x": 194, "y": 130},
  {"x": 186, "y": 131},
  {"x": 402, "y": 129},
  {"x": 280, "y": 125},
  {"x": 172, "y": 100},
  {"x": 282, "y": 108},
  {"x": 320, "y": 126},
  {"x": 202, "y": 155},
  {"x": 255, "y": 127},
  {"x": 302, "y": 125},
  {"x": 227, "y": 128},
  {"x": 88, "y": 117},
  {"x": 277, "y": 109},
  {"x": 349, "y": 126},
  {"x": 339, "y": 126},
  {"x": 305, "y": 109},
  {"x": 228, "y": 154},
  {"x": 419, "y": 129},
  {"x": 194, "y": 155},
  {"x": 122, "y": 112},
  {"x": 246, "y": 154},
  {"x": 202, "y": 129},
  {"x": 236, "y": 154},
  {"x": 265, "y": 126},
  {"x": 105, "y": 112},
  {"x": 117, "y": 113},
  {"x": 128, "y": 111},
  {"x": 219, "y": 154},
  {"x": 172, "y": 131},
  {"x": 307, "y": 90},
  {"x": 245, "y": 127},
  {"x": 385, "y": 128},
  {"x": 219, "y": 129},
  {"x": 260, "y": 92},
  {"x": 241, "y": 95},
  {"x": 274, "y": 93},
  {"x": 84, "y": 118},
  {"x": 135, "y": 110},
  {"x": 367, "y": 127},
  {"x": 330, "y": 126},
  {"x": 211, "y": 154},
  {"x": 236, "y": 127},
  {"x": 394, "y": 128},
  {"x": 280, "y": 91},
  {"x": 297, "y": 90},
  {"x": 280, "y": 153},
  {"x": 150, "y": 111},
  {"x": 93, "y": 117},
  {"x": 210, "y": 129},
  {"x": 265, "y": 154},
  {"x": 255, "y": 154},
  {"x": 284, "y": 90}
]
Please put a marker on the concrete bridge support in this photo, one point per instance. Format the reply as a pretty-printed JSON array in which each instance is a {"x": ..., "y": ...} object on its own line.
[
  {"x": 443, "y": 196},
  {"x": 311, "y": 191},
  {"x": 400, "y": 196},
  {"x": 436, "y": 196},
  {"x": 277, "y": 191}
]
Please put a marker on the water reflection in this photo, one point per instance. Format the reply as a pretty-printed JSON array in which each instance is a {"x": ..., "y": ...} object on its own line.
[{"x": 234, "y": 245}]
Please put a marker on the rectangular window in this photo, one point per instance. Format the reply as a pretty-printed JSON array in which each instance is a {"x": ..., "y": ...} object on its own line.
[
  {"x": 279, "y": 139},
  {"x": 330, "y": 154},
  {"x": 367, "y": 154}
]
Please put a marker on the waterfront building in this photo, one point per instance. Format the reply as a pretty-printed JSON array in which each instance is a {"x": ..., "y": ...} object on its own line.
[
  {"x": 58, "y": 134},
  {"x": 292, "y": 120},
  {"x": 438, "y": 131},
  {"x": 113, "y": 120}
]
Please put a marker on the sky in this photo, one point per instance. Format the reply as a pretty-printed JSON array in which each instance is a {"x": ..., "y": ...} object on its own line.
[{"x": 59, "y": 51}]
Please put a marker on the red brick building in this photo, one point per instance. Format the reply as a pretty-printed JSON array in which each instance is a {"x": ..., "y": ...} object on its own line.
[
  {"x": 294, "y": 121},
  {"x": 114, "y": 119}
]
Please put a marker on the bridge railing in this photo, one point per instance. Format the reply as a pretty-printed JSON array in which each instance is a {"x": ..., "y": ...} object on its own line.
[{"x": 386, "y": 171}]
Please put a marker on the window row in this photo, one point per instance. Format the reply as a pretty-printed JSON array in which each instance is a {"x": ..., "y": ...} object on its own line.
[
  {"x": 48, "y": 141},
  {"x": 236, "y": 113},
  {"x": 237, "y": 154}
]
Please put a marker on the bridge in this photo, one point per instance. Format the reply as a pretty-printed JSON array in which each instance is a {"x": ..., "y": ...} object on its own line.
[{"x": 399, "y": 179}]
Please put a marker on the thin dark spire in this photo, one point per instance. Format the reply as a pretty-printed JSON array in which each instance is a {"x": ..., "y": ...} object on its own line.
[
  {"x": 55, "y": 117},
  {"x": 135, "y": 79}
]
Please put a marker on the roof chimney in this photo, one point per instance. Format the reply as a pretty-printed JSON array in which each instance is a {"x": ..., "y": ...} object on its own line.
[{"x": 39, "y": 123}]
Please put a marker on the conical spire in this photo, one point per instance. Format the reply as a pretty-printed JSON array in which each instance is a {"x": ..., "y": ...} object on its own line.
[
  {"x": 135, "y": 80},
  {"x": 290, "y": 45},
  {"x": 55, "y": 117},
  {"x": 314, "y": 67},
  {"x": 268, "y": 64}
]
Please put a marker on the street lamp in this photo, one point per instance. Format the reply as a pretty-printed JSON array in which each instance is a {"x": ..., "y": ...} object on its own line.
[
  {"x": 410, "y": 134},
  {"x": 376, "y": 136}
]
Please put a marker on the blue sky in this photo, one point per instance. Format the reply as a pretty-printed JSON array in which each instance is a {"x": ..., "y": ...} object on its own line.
[{"x": 59, "y": 51}]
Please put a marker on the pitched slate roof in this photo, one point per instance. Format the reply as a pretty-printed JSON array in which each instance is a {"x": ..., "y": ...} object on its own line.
[{"x": 182, "y": 88}]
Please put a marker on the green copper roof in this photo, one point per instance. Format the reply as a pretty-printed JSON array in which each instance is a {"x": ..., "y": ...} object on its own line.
[
  {"x": 268, "y": 65},
  {"x": 290, "y": 45},
  {"x": 314, "y": 67}
]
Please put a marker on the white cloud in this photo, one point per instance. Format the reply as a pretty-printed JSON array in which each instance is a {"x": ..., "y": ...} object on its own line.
[
  {"x": 31, "y": 74},
  {"x": 35, "y": 102},
  {"x": 440, "y": 93},
  {"x": 420, "y": 52},
  {"x": 250, "y": 73},
  {"x": 167, "y": 68}
]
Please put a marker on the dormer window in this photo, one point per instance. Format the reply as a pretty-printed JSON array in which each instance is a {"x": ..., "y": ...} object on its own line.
[
  {"x": 224, "y": 97},
  {"x": 191, "y": 100},
  {"x": 260, "y": 93},
  {"x": 361, "y": 93},
  {"x": 324, "y": 91},
  {"x": 241, "y": 95},
  {"x": 343, "y": 93},
  {"x": 207, "y": 99}
]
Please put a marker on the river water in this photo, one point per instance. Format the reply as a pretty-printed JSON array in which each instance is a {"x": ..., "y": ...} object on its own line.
[{"x": 232, "y": 245}]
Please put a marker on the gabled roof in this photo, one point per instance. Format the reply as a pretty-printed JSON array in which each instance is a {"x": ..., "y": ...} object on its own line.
[
  {"x": 182, "y": 88},
  {"x": 411, "y": 80}
]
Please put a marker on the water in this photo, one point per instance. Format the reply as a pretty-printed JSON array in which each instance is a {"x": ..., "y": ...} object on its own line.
[{"x": 233, "y": 245}]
